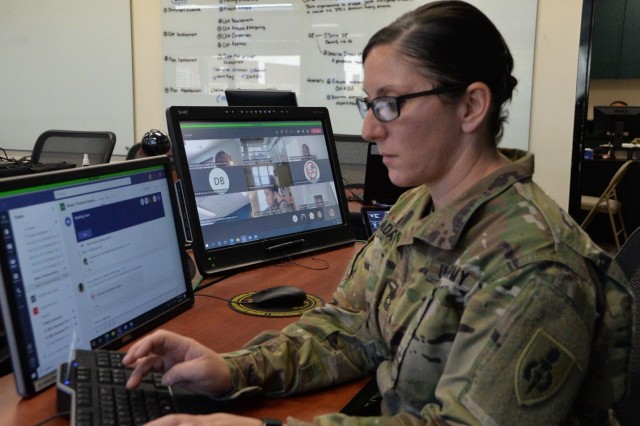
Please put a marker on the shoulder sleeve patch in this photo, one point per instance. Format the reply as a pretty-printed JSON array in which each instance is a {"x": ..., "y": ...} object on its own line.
[{"x": 542, "y": 368}]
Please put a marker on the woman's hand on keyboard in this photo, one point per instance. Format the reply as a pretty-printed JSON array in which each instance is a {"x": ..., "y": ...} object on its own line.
[{"x": 182, "y": 360}]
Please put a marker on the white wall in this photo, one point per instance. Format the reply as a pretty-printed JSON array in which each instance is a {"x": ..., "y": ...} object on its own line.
[
  {"x": 553, "y": 97},
  {"x": 603, "y": 92},
  {"x": 65, "y": 64},
  {"x": 554, "y": 94}
]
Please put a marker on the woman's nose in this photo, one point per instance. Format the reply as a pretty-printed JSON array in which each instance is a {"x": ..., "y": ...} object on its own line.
[{"x": 372, "y": 129}]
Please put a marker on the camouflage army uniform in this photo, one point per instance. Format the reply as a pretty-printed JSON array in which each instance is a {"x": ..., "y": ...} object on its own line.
[{"x": 482, "y": 312}]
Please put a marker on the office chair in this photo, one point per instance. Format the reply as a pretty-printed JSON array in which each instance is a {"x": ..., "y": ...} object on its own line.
[
  {"x": 134, "y": 152},
  {"x": 608, "y": 203},
  {"x": 54, "y": 146},
  {"x": 628, "y": 257}
]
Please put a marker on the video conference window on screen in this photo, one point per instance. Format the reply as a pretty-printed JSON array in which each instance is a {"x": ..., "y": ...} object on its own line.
[{"x": 257, "y": 180}]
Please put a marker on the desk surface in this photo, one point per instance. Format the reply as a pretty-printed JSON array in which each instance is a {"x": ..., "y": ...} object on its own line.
[{"x": 210, "y": 321}]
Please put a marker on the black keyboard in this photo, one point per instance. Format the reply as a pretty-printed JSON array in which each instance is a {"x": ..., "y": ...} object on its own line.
[
  {"x": 49, "y": 167},
  {"x": 17, "y": 168},
  {"x": 10, "y": 169},
  {"x": 94, "y": 392}
]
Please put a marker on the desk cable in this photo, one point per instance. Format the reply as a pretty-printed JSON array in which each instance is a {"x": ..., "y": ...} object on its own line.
[
  {"x": 324, "y": 266},
  {"x": 215, "y": 297},
  {"x": 22, "y": 160},
  {"x": 350, "y": 187},
  {"x": 198, "y": 286},
  {"x": 354, "y": 197},
  {"x": 290, "y": 261}
]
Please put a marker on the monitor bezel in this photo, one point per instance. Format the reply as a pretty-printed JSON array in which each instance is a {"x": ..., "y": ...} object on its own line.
[
  {"x": 249, "y": 254},
  {"x": 14, "y": 333},
  {"x": 366, "y": 218},
  {"x": 251, "y": 98}
]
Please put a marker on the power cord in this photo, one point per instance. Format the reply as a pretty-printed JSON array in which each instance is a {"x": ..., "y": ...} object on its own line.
[
  {"x": 290, "y": 261},
  {"x": 198, "y": 286},
  {"x": 352, "y": 195},
  {"x": 325, "y": 265},
  {"x": 22, "y": 161},
  {"x": 219, "y": 298}
]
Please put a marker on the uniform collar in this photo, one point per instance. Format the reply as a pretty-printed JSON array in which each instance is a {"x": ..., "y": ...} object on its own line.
[{"x": 443, "y": 227}]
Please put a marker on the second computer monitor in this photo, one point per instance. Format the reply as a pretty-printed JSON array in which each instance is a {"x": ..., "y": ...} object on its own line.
[
  {"x": 260, "y": 184},
  {"x": 619, "y": 123},
  {"x": 246, "y": 97}
]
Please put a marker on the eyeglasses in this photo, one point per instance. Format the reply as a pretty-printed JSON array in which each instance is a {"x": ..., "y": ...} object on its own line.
[{"x": 387, "y": 108}]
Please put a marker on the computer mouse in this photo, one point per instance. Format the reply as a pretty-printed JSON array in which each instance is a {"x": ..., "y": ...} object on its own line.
[{"x": 284, "y": 296}]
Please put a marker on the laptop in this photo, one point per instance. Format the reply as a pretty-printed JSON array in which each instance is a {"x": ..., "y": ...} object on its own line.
[{"x": 89, "y": 258}]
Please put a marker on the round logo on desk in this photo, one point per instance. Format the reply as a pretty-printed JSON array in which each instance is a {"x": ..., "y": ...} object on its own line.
[{"x": 241, "y": 303}]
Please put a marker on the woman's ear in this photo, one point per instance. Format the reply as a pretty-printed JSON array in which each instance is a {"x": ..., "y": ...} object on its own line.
[{"x": 475, "y": 106}]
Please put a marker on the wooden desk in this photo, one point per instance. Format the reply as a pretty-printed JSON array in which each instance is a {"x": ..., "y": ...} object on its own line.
[{"x": 212, "y": 322}]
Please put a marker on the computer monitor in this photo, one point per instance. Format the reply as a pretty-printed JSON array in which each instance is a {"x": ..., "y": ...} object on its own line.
[
  {"x": 378, "y": 188},
  {"x": 260, "y": 184},
  {"x": 620, "y": 124},
  {"x": 90, "y": 258},
  {"x": 247, "y": 97}
]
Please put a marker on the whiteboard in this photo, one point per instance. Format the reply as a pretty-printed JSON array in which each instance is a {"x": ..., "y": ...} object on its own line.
[
  {"x": 65, "y": 64},
  {"x": 312, "y": 47}
]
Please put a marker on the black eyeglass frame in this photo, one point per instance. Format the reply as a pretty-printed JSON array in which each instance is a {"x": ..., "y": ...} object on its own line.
[{"x": 398, "y": 100}]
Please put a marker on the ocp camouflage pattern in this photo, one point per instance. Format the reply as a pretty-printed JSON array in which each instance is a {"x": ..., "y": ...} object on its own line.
[{"x": 496, "y": 309}]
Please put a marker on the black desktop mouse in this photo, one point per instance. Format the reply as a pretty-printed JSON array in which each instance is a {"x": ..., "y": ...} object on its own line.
[{"x": 284, "y": 296}]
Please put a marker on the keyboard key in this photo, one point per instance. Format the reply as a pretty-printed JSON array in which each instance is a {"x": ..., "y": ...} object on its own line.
[{"x": 99, "y": 378}]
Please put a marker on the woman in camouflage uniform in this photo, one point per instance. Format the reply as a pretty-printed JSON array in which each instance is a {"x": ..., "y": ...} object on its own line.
[{"x": 478, "y": 301}]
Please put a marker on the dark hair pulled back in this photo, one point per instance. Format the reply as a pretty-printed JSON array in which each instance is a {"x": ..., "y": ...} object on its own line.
[{"x": 454, "y": 43}]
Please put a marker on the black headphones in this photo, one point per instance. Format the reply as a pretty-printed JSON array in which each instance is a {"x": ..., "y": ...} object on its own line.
[{"x": 155, "y": 142}]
